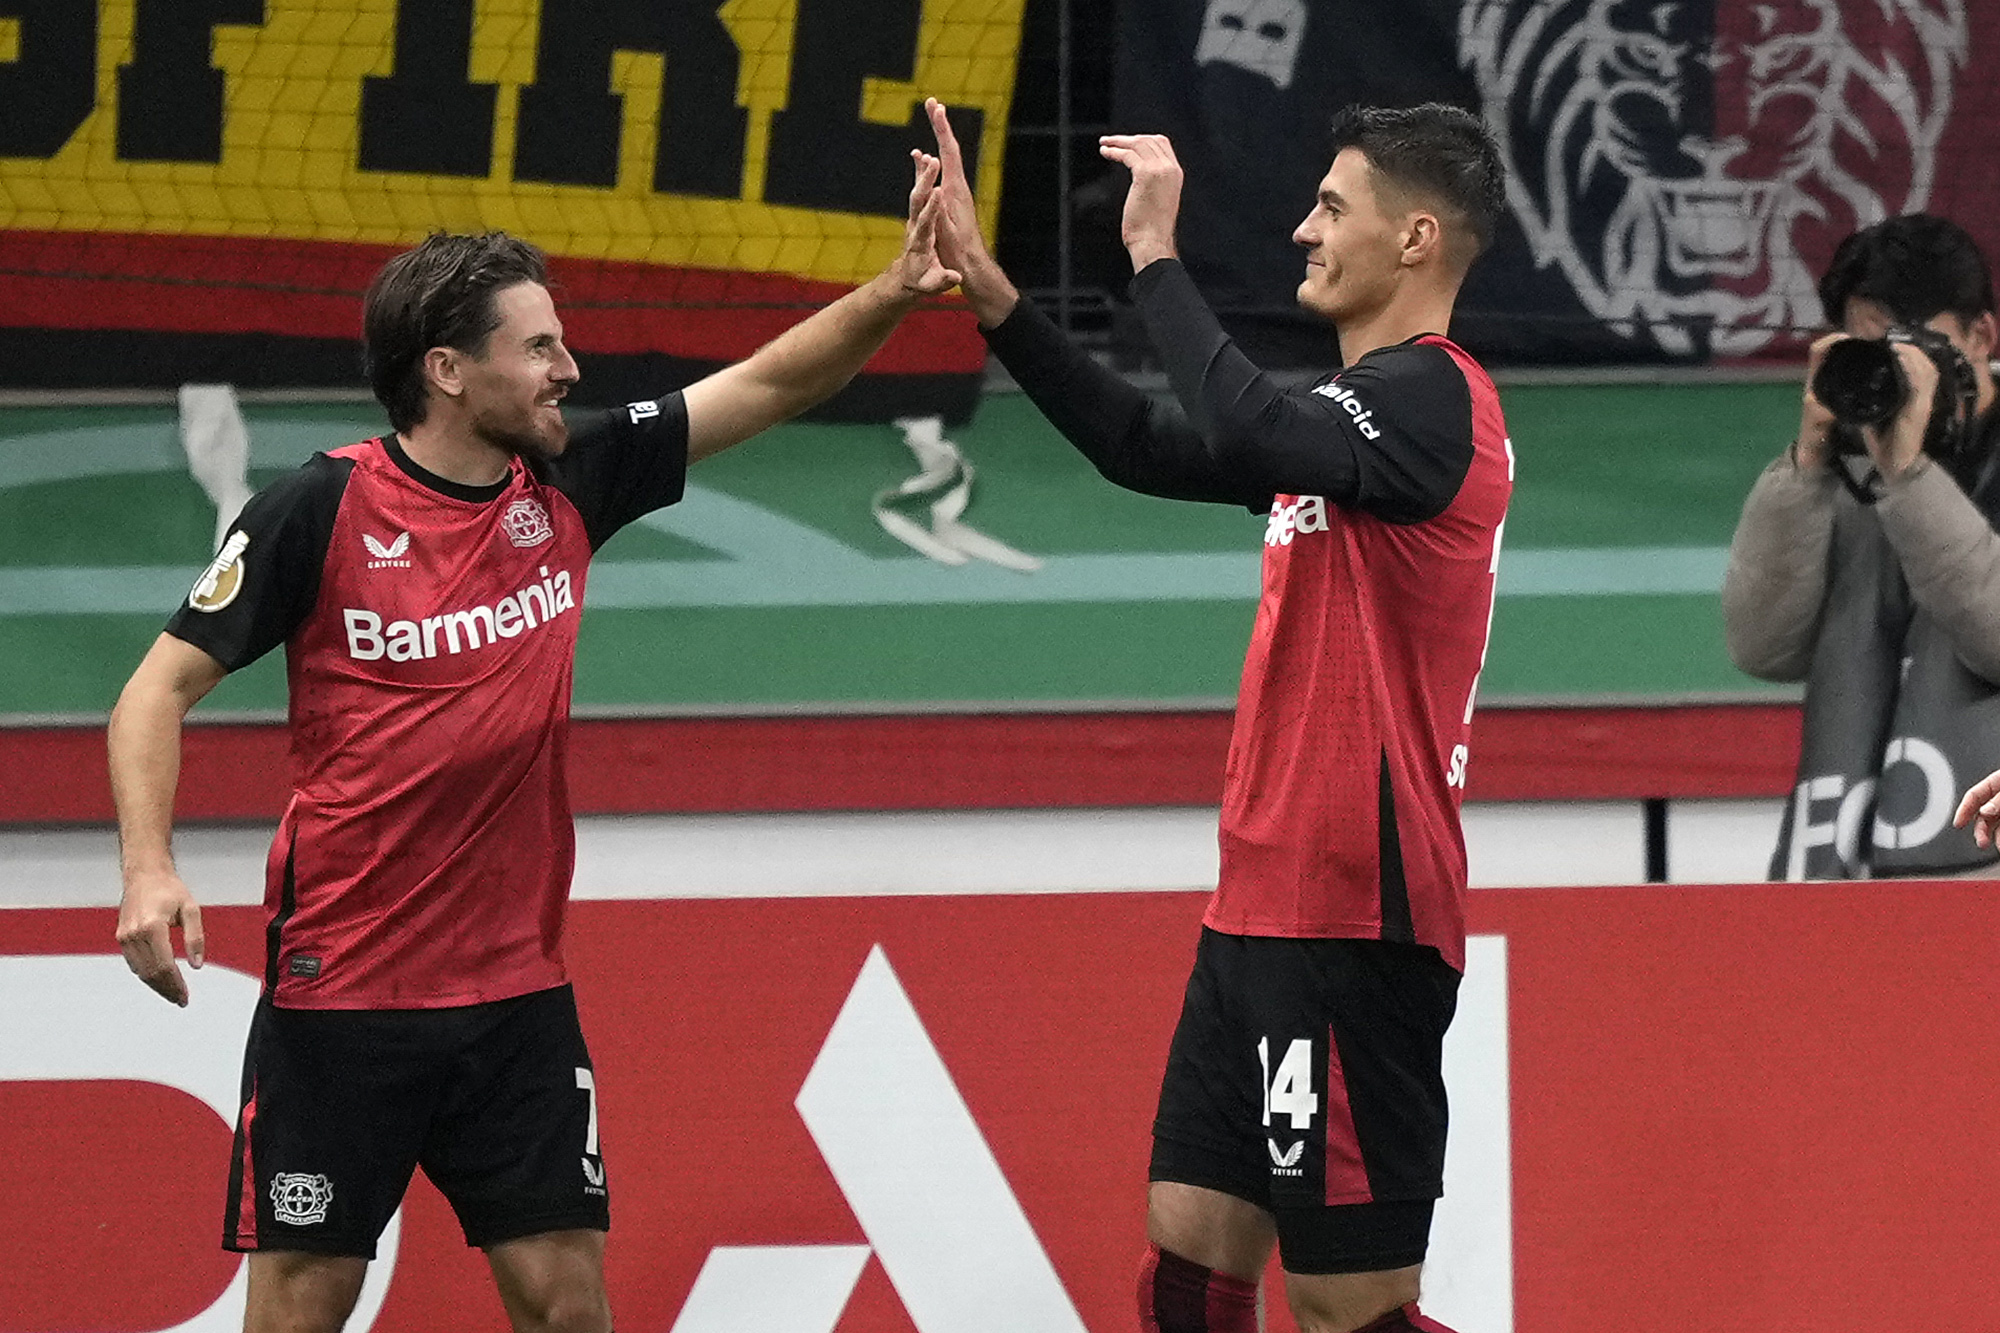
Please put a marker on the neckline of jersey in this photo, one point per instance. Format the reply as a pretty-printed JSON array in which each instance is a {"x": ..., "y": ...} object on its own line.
[
  {"x": 1410, "y": 341},
  {"x": 452, "y": 490}
]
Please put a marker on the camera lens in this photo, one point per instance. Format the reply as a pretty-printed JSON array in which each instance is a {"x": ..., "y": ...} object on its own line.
[{"x": 1859, "y": 382}]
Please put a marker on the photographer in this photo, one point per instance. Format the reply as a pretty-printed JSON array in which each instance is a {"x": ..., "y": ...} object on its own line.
[{"x": 1867, "y": 562}]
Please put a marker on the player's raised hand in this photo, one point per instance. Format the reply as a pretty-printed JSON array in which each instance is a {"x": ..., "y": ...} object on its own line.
[
  {"x": 154, "y": 903},
  {"x": 958, "y": 222},
  {"x": 1153, "y": 202},
  {"x": 1981, "y": 807},
  {"x": 918, "y": 268},
  {"x": 986, "y": 288}
]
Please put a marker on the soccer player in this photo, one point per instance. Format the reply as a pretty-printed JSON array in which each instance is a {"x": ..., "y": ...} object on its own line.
[
  {"x": 427, "y": 585},
  {"x": 1303, "y": 1101}
]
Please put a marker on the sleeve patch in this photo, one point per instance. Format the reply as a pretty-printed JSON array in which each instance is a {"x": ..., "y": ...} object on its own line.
[{"x": 223, "y": 579}]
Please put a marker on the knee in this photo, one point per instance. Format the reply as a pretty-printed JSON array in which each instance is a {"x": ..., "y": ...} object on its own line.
[
  {"x": 574, "y": 1311},
  {"x": 294, "y": 1319},
  {"x": 1349, "y": 1302},
  {"x": 301, "y": 1293}
]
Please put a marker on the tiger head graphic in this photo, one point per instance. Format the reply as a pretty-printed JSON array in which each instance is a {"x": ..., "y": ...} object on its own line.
[{"x": 1679, "y": 161}]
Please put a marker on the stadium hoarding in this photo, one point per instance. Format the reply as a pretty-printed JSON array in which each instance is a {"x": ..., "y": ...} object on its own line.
[
  {"x": 204, "y": 192},
  {"x": 1715, "y": 1107}
]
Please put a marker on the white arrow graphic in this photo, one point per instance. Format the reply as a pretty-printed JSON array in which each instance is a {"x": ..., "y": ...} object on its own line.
[
  {"x": 906, "y": 1152},
  {"x": 931, "y": 1199},
  {"x": 904, "y": 1149}
]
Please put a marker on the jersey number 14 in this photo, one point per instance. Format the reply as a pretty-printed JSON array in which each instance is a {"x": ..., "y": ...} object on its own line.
[{"x": 1290, "y": 1092}]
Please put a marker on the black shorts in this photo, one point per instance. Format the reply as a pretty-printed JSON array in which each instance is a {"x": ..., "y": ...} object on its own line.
[
  {"x": 496, "y": 1102},
  {"x": 1350, "y": 1165}
]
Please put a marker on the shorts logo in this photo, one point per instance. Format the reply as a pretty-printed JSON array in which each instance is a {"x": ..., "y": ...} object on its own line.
[
  {"x": 1286, "y": 1163},
  {"x": 593, "y": 1164},
  {"x": 641, "y": 411},
  {"x": 389, "y": 556},
  {"x": 527, "y": 523},
  {"x": 223, "y": 579},
  {"x": 300, "y": 1200}
]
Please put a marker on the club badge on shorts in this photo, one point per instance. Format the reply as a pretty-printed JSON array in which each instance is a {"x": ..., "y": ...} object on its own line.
[{"x": 300, "y": 1200}]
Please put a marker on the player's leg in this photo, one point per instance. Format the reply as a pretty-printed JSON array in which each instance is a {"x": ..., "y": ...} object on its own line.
[
  {"x": 1210, "y": 1234},
  {"x": 553, "y": 1283},
  {"x": 333, "y": 1109},
  {"x": 1354, "y": 1220},
  {"x": 293, "y": 1292},
  {"x": 1214, "y": 1229},
  {"x": 514, "y": 1149},
  {"x": 1378, "y": 1250},
  {"x": 1206, "y": 1253}
]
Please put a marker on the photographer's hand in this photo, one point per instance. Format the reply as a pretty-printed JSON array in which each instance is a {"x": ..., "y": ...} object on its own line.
[
  {"x": 1810, "y": 450},
  {"x": 1896, "y": 447}
]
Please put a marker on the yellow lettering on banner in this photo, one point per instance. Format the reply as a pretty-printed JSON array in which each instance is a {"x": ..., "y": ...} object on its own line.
[{"x": 291, "y": 141}]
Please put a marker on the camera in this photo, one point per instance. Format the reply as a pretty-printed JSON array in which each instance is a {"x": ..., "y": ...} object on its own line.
[{"x": 1861, "y": 382}]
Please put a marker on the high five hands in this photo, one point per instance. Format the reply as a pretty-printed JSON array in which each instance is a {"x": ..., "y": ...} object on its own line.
[
  {"x": 1152, "y": 205},
  {"x": 920, "y": 268},
  {"x": 987, "y": 290}
]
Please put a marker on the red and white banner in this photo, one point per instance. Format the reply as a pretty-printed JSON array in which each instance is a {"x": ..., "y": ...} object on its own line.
[{"x": 1715, "y": 1108}]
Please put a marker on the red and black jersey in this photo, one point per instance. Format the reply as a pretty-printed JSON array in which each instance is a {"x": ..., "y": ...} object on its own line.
[
  {"x": 1355, "y": 714},
  {"x": 1386, "y": 485},
  {"x": 430, "y": 629}
]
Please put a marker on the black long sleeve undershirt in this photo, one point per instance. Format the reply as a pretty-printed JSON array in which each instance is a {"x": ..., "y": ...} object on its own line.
[
  {"x": 1134, "y": 440},
  {"x": 1390, "y": 435}
]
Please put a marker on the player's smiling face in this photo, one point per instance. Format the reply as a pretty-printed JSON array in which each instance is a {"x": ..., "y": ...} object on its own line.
[
  {"x": 513, "y": 388},
  {"x": 1353, "y": 245}
]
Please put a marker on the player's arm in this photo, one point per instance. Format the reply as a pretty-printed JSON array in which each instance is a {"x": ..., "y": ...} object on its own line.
[
  {"x": 1134, "y": 440},
  {"x": 1392, "y": 436},
  {"x": 814, "y": 359},
  {"x": 145, "y": 755},
  {"x": 1394, "y": 441},
  {"x": 253, "y": 595}
]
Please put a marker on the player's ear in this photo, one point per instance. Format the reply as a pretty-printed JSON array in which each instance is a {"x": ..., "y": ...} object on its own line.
[
  {"x": 1423, "y": 239},
  {"x": 1983, "y": 334},
  {"x": 443, "y": 367}
]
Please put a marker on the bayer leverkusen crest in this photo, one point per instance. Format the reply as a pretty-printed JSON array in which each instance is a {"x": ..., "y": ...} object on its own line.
[
  {"x": 299, "y": 1199},
  {"x": 527, "y": 522}
]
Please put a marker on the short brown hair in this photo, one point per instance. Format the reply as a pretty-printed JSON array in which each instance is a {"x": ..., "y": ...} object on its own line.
[{"x": 440, "y": 294}]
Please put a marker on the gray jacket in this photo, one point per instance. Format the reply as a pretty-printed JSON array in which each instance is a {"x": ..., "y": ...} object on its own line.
[
  {"x": 1776, "y": 584},
  {"x": 1891, "y": 614}
]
